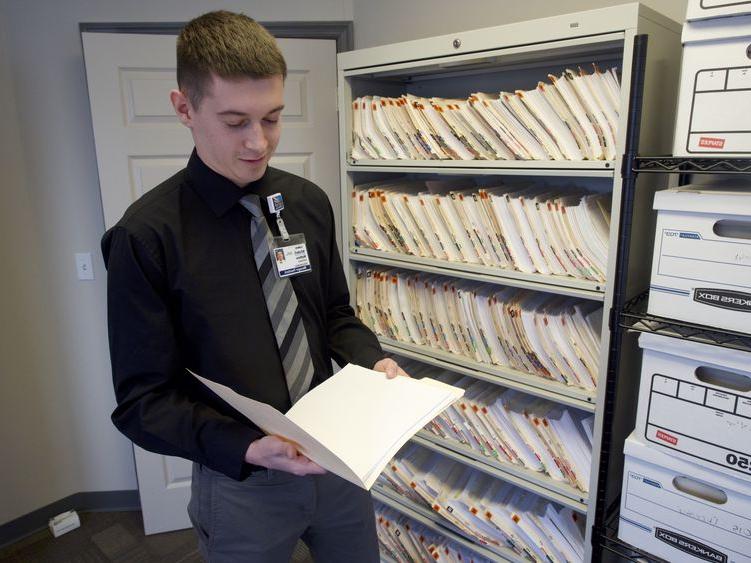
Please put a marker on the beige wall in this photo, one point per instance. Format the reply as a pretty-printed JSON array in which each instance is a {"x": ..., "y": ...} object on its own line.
[
  {"x": 55, "y": 389},
  {"x": 389, "y": 21}
]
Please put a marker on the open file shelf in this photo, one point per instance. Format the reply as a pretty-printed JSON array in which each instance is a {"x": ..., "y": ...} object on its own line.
[
  {"x": 430, "y": 519},
  {"x": 539, "y": 483},
  {"x": 505, "y": 58},
  {"x": 507, "y": 377}
]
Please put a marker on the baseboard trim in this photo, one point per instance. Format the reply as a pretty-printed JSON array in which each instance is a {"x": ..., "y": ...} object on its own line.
[{"x": 105, "y": 501}]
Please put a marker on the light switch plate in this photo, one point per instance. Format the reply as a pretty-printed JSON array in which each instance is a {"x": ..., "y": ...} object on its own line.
[{"x": 84, "y": 268}]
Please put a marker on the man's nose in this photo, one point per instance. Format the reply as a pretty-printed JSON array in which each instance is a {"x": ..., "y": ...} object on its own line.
[{"x": 255, "y": 139}]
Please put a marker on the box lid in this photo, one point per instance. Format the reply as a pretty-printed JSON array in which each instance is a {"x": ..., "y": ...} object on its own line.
[
  {"x": 680, "y": 467},
  {"x": 703, "y": 9},
  {"x": 705, "y": 199},
  {"x": 716, "y": 29},
  {"x": 706, "y": 354}
]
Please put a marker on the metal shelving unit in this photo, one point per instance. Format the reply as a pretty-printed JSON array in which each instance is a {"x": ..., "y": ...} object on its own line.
[{"x": 505, "y": 58}]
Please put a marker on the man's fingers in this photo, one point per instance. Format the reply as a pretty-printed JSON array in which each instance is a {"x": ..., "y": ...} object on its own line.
[
  {"x": 311, "y": 467},
  {"x": 283, "y": 447},
  {"x": 397, "y": 371},
  {"x": 389, "y": 367},
  {"x": 302, "y": 466},
  {"x": 275, "y": 452}
]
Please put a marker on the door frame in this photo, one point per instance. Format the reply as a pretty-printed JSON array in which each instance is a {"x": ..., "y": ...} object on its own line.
[{"x": 339, "y": 31}]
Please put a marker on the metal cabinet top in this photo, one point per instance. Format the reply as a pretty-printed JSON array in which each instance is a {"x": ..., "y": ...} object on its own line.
[{"x": 583, "y": 24}]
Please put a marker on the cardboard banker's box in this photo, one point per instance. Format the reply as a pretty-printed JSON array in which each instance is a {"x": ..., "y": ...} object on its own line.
[
  {"x": 701, "y": 267},
  {"x": 704, "y": 9},
  {"x": 683, "y": 512},
  {"x": 713, "y": 116},
  {"x": 695, "y": 403}
]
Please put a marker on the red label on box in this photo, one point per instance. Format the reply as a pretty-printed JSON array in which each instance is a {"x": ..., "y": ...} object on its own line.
[
  {"x": 667, "y": 437},
  {"x": 711, "y": 142}
]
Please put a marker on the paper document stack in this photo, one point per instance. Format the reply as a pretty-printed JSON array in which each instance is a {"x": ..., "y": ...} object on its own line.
[
  {"x": 514, "y": 428},
  {"x": 494, "y": 513},
  {"x": 574, "y": 117},
  {"x": 352, "y": 423},
  {"x": 405, "y": 541},
  {"x": 524, "y": 227},
  {"x": 550, "y": 336}
]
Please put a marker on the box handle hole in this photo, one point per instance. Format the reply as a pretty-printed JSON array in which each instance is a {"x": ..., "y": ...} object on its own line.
[
  {"x": 731, "y": 228},
  {"x": 723, "y": 378},
  {"x": 700, "y": 489}
]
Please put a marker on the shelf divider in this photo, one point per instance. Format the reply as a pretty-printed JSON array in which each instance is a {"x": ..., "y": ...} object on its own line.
[
  {"x": 573, "y": 169},
  {"x": 560, "y": 285}
]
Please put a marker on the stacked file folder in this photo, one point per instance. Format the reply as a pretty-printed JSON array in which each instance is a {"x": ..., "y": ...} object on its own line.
[
  {"x": 403, "y": 540},
  {"x": 546, "y": 335},
  {"x": 514, "y": 428},
  {"x": 573, "y": 117},
  {"x": 523, "y": 227},
  {"x": 494, "y": 513}
]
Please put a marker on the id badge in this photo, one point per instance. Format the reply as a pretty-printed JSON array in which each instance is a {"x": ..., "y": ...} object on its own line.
[{"x": 290, "y": 257}]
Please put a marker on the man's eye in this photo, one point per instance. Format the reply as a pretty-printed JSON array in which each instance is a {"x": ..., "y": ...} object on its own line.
[
  {"x": 275, "y": 120},
  {"x": 237, "y": 124}
]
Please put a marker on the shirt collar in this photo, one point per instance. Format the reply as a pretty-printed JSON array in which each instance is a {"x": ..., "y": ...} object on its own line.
[{"x": 219, "y": 193}]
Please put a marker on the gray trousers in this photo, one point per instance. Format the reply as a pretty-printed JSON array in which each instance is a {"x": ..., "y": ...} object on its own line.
[{"x": 261, "y": 519}]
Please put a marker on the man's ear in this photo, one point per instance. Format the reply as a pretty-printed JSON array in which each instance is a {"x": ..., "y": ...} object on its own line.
[{"x": 183, "y": 107}]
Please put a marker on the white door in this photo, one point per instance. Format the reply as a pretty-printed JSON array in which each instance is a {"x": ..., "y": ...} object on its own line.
[{"x": 139, "y": 143}]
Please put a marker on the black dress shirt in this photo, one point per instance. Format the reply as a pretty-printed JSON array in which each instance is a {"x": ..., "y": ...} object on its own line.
[{"x": 184, "y": 292}]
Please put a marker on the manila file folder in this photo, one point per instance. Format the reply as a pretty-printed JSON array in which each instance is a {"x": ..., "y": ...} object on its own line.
[{"x": 353, "y": 423}]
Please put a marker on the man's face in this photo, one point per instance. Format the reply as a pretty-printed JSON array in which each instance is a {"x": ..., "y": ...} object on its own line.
[{"x": 237, "y": 125}]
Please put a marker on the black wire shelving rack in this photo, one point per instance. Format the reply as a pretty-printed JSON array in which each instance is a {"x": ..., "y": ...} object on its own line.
[
  {"x": 681, "y": 165},
  {"x": 632, "y": 315},
  {"x": 635, "y": 317}
]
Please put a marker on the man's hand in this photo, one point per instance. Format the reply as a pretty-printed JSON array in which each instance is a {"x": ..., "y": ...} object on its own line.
[
  {"x": 389, "y": 367},
  {"x": 275, "y": 453}
]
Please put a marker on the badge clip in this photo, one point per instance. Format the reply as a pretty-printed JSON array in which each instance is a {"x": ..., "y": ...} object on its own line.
[{"x": 276, "y": 204}]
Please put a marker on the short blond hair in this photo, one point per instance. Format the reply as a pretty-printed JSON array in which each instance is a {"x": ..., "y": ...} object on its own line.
[{"x": 228, "y": 45}]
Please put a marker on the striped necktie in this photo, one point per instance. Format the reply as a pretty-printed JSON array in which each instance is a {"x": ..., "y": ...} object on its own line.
[{"x": 283, "y": 310}]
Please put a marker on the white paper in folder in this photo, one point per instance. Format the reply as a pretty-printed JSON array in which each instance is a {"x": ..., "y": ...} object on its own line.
[{"x": 354, "y": 422}]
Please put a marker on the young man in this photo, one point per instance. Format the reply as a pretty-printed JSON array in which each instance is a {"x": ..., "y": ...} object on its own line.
[{"x": 191, "y": 286}]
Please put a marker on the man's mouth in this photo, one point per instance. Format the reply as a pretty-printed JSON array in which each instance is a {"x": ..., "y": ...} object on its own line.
[{"x": 252, "y": 160}]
